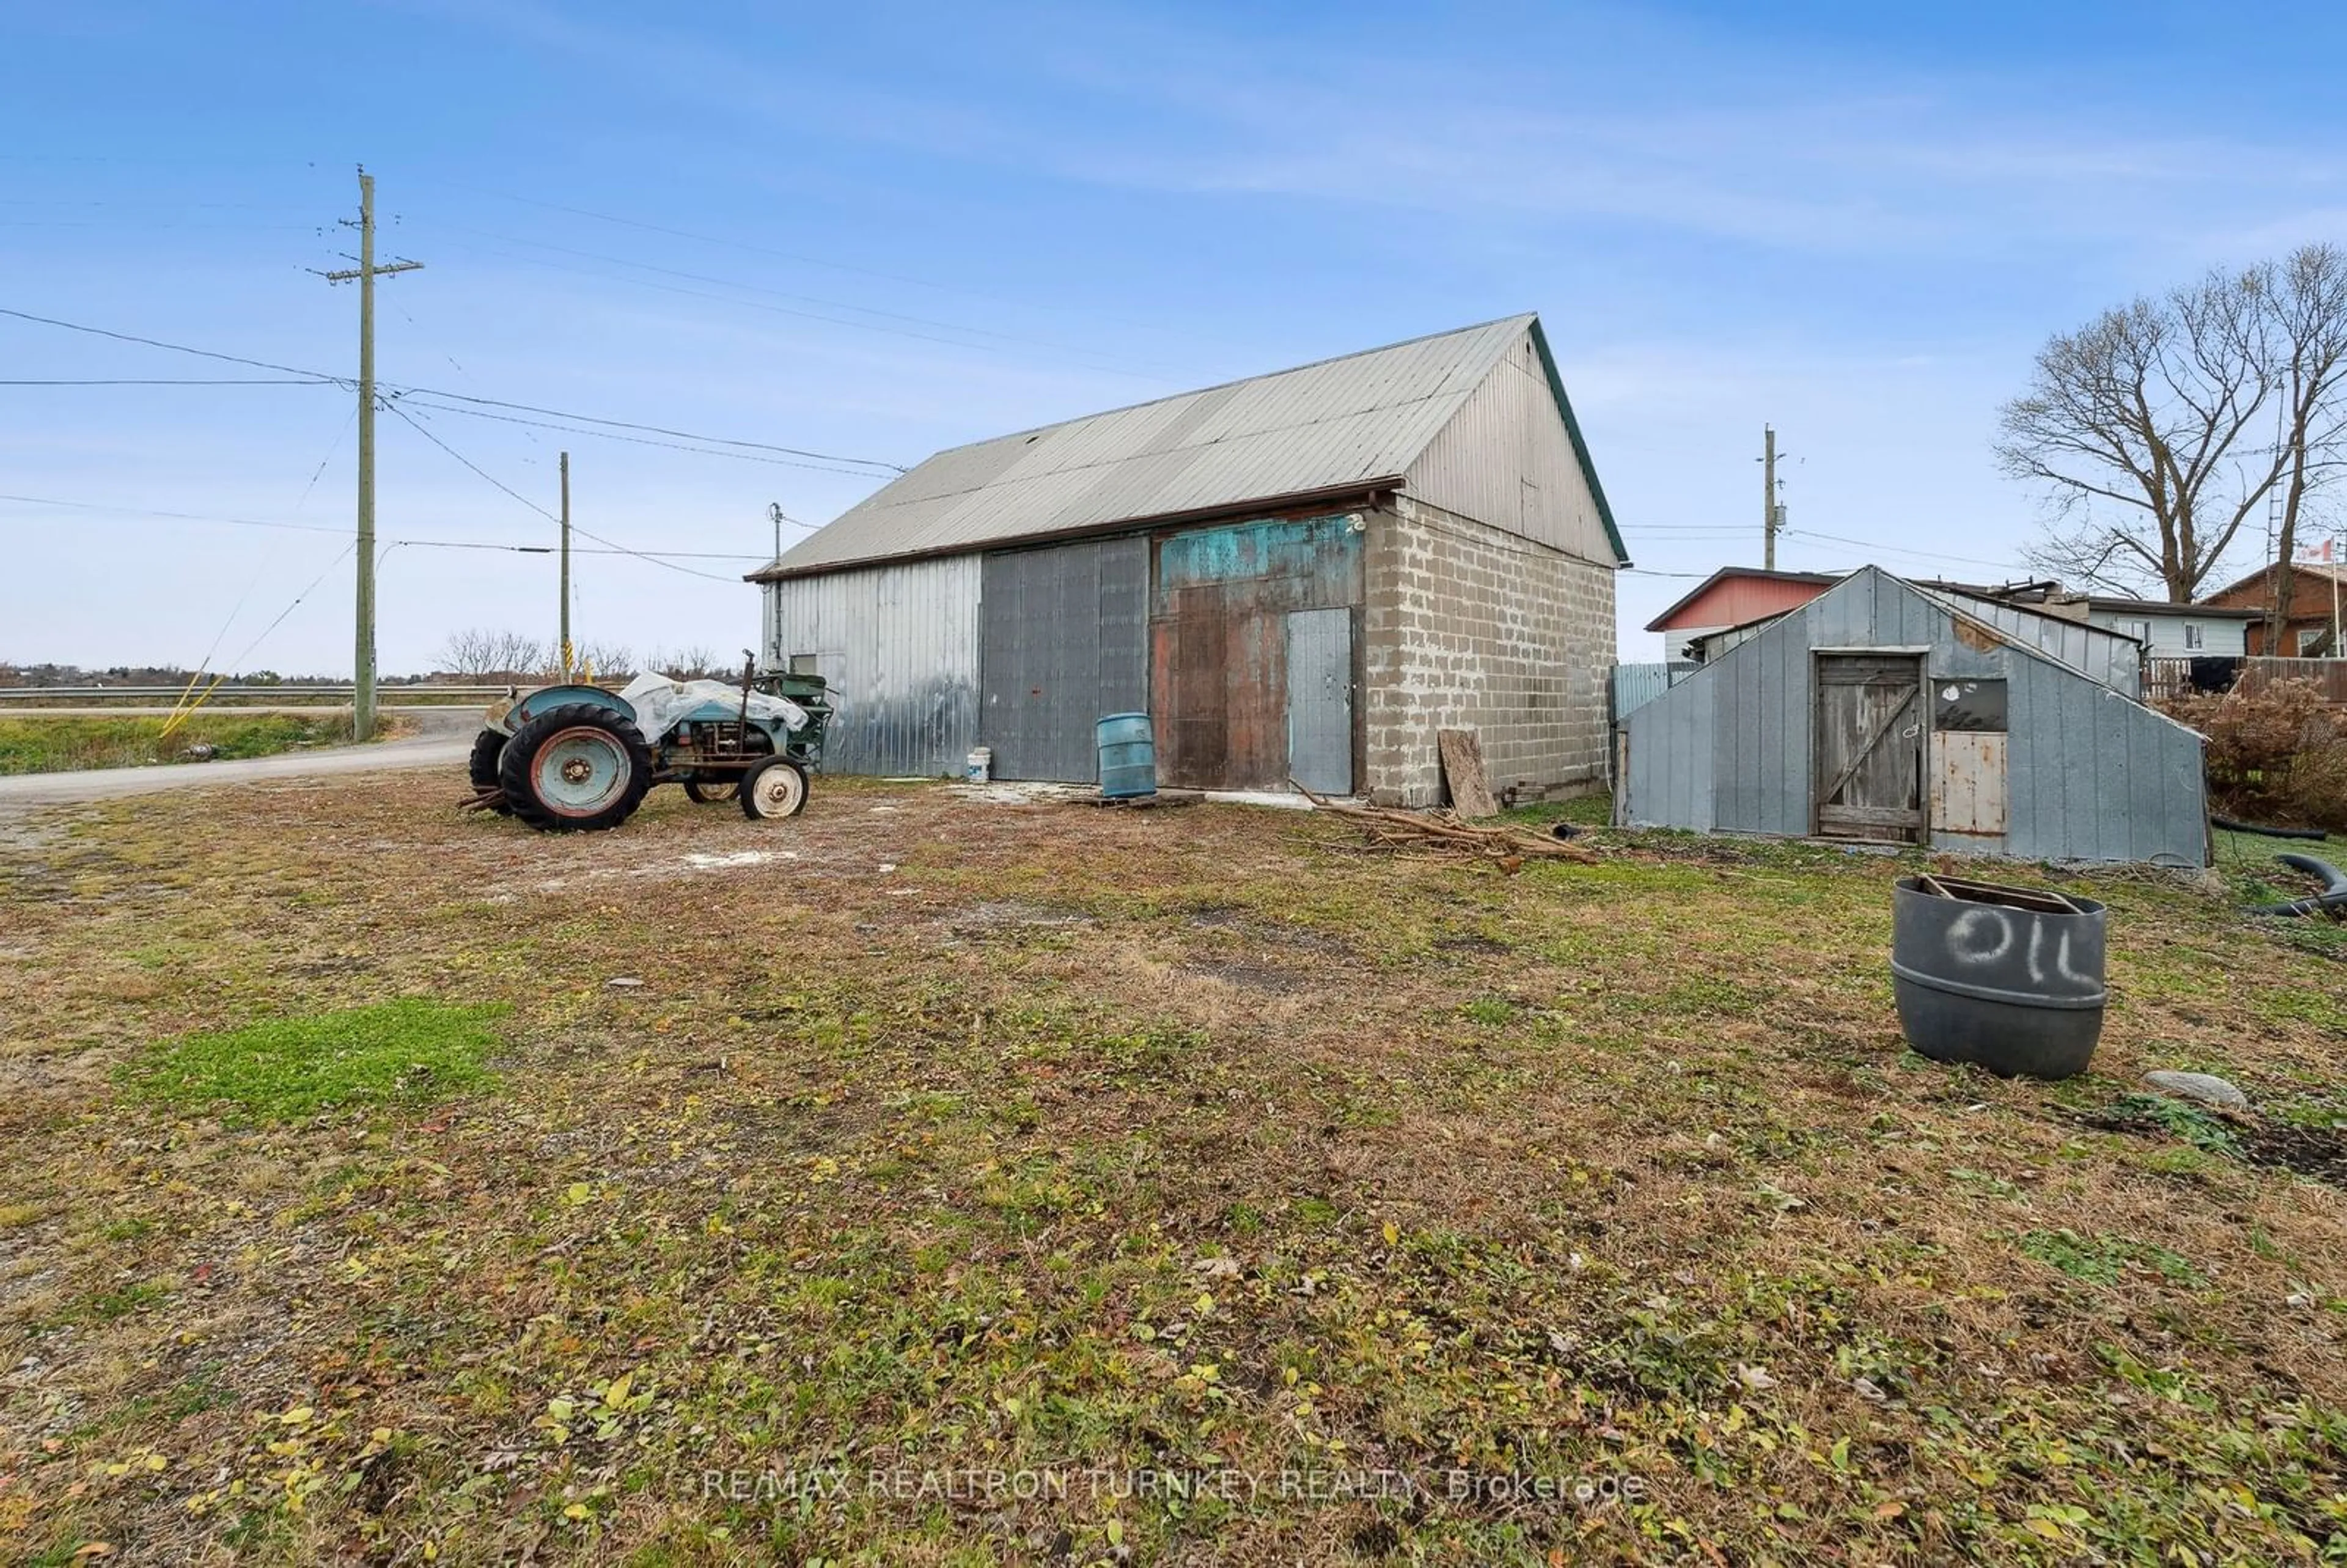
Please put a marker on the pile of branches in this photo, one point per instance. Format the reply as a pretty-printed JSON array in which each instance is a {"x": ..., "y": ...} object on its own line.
[{"x": 1441, "y": 833}]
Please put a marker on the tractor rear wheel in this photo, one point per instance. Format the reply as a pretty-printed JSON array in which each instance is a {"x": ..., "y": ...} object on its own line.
[
  {"x": 487, "y": 747},
  {"x": 776, "y": 787},
  {"x": 577, "y": 768}
]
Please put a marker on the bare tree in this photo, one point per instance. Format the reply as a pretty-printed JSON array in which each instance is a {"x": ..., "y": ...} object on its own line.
[
  {"x": 2309, "y": 302},
  {"x": 491, "y": 655},
  {"x": 2143, "y": 424},
  {"x": 605, "y": 660},
  {"x": 2134, "y": 425},
  {"x": 694, "y": 663}
]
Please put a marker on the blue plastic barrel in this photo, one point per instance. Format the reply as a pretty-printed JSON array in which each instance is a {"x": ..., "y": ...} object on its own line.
[{"x": 1128, "y": 756}]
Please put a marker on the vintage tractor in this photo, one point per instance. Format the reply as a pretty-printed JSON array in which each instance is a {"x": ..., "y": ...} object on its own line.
[{"x": 578, "y": 758}]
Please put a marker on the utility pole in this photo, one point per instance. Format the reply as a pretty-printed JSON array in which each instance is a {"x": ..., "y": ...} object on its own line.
[
  {"x": 566, "y": 566},
  {"x": 365, "y": 275},
  {"x": 1771, "y": 514}
]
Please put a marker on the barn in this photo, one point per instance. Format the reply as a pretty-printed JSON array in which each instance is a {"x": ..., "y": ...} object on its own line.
[
  {"x": 1882, "y": 711},
  {"x": 1306, "y": 575}
]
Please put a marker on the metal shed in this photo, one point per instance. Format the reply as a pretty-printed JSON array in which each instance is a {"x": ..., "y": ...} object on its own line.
[{"x": 1878, "y": 712}]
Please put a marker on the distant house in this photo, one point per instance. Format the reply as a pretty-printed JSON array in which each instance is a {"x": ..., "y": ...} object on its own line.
[
  {"x": 1883, "y": 711},
  {"x": 2311, "y": 630},
  {"x": 1734, "y": 596},
  {"x": 2171, "y": 630},
  {"x": 1301, "y": 575}
]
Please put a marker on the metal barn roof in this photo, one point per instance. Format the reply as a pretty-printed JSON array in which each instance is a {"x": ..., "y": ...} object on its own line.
[{"x": 1329, "y": 428}]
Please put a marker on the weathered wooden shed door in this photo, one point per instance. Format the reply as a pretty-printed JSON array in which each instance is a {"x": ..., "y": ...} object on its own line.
[{"x": 1870, "y": 747}]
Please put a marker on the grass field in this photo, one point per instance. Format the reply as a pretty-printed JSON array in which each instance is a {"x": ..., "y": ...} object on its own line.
[
  {"x": 32, "y": 743},
  {"x": 956, "y": 1183}
]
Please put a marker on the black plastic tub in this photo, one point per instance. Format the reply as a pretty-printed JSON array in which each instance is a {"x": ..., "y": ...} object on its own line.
[{"x": 2009, "y": 978}]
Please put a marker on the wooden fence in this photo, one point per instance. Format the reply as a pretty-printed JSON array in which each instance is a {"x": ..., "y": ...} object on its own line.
[{"x": 2172, "y": 677}]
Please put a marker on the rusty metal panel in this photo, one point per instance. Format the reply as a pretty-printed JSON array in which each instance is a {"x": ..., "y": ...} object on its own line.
[
  {"x": 1065, "y": 641},
  {"x": 1219, "y": 647},
  {"x": 899, "y": 645},
  {"x": 1968, "y": 785},
  {"x": 2115, "y": 660}
]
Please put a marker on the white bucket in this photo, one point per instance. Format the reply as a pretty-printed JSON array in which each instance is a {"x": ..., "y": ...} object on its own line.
[{"x": 981, "y": 765}]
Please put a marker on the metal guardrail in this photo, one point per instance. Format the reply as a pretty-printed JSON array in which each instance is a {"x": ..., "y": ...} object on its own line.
[{"x": 28, "y": 695}]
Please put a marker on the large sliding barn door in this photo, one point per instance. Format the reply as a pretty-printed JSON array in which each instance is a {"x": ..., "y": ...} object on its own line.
[
  {"x": 1870, "y": 747},
  {"x": 1063, "y": 643}
]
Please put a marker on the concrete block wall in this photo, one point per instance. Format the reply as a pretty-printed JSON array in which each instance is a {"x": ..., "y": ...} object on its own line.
[{"x": 1470, "y": 627}]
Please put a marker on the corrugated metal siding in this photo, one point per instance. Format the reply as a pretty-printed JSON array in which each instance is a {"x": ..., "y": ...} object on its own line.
[
  {"x": 2113, "y": 659},
  {"x": 2091, "y": 775},
  {"x": 1635, "y": 685},
  {"x": 900, "y": 645},
  {"x": 1065, "y": 641},
  {"x": 1668, "y": 780},
  {"x": 2117, "y": 782},
  {"x": 1343, "y": 421},
  {"x": 1505, "y": 458}
]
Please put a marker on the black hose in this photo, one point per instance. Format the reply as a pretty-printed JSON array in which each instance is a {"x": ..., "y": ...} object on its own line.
[
  {"x": 2230, "y": 826},
  {"x": 2332, "y": 896}
]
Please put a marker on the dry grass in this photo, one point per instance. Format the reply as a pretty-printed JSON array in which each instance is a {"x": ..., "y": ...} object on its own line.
[{"x": 950, "y": 1137}]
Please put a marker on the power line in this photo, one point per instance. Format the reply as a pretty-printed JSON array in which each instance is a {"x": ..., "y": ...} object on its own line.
[
  {"x": 541, "y": 511},
  {"x": 143, "y": 225},
  {"x": 654, "y": 429},
  {"x": 646, "y": 441},
  {"x": 864, "y": 463},
  {"x": 329, "y": 528},
  {"x": 416, "y": 425},
  {"x": 1899, "y": 550},
  {"x": 319, "y": 471},
  {"x": 174, "y": 347},
  {"x": 689, "y": 571},
  {"x": 172, "y": 381},
  {"x": 290, "y": 608}
]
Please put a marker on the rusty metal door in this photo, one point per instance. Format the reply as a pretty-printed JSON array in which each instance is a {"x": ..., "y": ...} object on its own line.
[
  {"x": 1870, "y": 747},
  {"x": 1221, "y": 599},
  {"x": 1320, "y": 700}
]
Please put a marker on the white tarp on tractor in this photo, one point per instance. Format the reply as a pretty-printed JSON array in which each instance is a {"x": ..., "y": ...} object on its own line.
[{"x": 660, "y": 702}]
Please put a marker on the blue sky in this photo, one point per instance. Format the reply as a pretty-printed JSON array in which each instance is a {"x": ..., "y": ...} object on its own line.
[{"x": 877, "y": 231}]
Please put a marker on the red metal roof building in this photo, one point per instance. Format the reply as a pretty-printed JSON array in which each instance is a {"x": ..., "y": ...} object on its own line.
[{"x": 1735, "y": 595}]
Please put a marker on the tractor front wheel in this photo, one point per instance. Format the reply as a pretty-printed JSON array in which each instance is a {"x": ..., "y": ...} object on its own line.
[
  {"x": 577, "y": 768},
  {"x": 711, "y": 790},
  {"x": 776, "y": 787}
]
